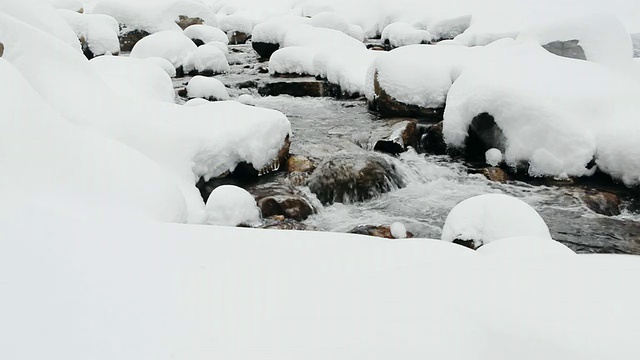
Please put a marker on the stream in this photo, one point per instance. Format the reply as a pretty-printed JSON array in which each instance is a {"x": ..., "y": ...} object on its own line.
[{"x": 325, "y": 126}]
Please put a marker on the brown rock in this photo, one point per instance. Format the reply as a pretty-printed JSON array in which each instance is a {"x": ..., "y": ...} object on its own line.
[
  {"x": 300, "y": 164},
  {"x": 602, "y": 202},
  {"x": 382, "y": 231},
  {"x": 291, "y": 207},
  {"x": 388, "y": 106},
  {"x": 496, "y": 174},
  {"x": 185, "y": 21},
  {"x": 433, "y": 140},
  {"x": 237, "y": 37},
  {"x": 395, "y": 138},
  {"x": 1, "y": 49}
]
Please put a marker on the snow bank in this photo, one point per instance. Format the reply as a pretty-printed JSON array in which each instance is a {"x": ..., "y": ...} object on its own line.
[
  {"x": 134, "y": 78},
  {"x": 526, "y": 247},
  {"x": 487, "y": 218},
  {"x": 230, "y": 205},
  {"x": 206, "y": 34},
  {"x": 400, "y": 34},
  {"x": 207, "y": 58},
  {"x": 207, "y": 88},
  {"x": 73, "y": 5},
  {"x": 99, "y": 32},
  {"x": 169, "y": 45}
]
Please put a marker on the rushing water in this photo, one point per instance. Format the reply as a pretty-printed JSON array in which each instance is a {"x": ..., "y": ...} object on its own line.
[{"x": 434, "y": 184}]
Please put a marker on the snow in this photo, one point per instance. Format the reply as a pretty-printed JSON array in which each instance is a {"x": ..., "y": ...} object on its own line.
[
  {"x": 493, "y": 157},
  {"x": 99, "y": 31},
  {"x": 206, "y": 34},
  {"x": 220, "y": 45},
  {"x": 246, "y": 99},
  {"x": 208, "y": 57},
  {"x": 292, "y": 60},
  {"x": 73, "y": 5},
  {"x": 196, "y": 102},
  {"x": 274, "y": 30},
  {"x": 398, "y": 230},
  {"x": 164, "y": 64},
  {"x": 207, "y": 88},
  {"x": 236, "y": 22},
  {"x": 169, "y": 45},
  {"x": 134, "y": 78},
  {"x": 230, "y": 205},
  {"x": 401, "y": 34},
  {"x": 526, "y": 247},
  {"x": 490, "y": 217}
]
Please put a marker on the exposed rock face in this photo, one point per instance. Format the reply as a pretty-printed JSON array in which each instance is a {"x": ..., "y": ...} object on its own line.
[
  {"x": 433, "y": 140},
  {"x": 388, "y": 106},
  {"x": 265, "y": 50},
  {"x": 602, "y": 202},
  {"x": 496, "y": 174},
  {"x": 569, "y": 49},
  {"x": 299, "y": 163},
  {"x": 185, "y": 21},
  {"x": 291, "y": 207},
  {"x": 1, "y": 49},
  {"x": 295, "y": 87},
  {"x": 395, "y": 137},
  {"x": 348, "y": 178},
  {"x": 129, "y": 37},
  {"x": 382, "y": 231},
  {"x": 238, "y": 38},
  {"x": 484, "y": 134}
]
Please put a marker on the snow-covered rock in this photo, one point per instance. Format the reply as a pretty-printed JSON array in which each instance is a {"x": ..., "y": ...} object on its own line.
[
  {"x": 73, "y": 5},
  {"x": 292, "y": 60},
  {"x": 207, "y": 88},
  {"x": 169, "y": 45},
  {"x": 196, "y": 102},
  {"x": 164, "y": 64},
  {"x": 486, "y": 218},
  {"x": 401, "y": 34},
  {"x": 207, "y": 59},
  {"x": 449, "y": 28},
  {"x": 134, "y": 78},
  {"x": 493, "y": 157},
  {"x": 230, "y": 205},
  {"x": 202, "y": 34},
  {"x": 97, "y": 33}
]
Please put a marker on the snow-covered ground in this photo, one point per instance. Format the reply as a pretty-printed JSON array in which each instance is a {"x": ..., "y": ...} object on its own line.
[{"x": 99, "y": 168}]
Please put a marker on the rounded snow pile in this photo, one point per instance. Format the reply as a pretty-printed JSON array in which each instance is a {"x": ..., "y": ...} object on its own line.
[
  {"x": 205, "y": 34},
  {"x": 401, "y": 34},
  {"x": 99, "y": 33},
  {"x": 486, "y": 218},
  {"x": 526, "y": 247},
  {"x": 207, "y": 88},
  {"x": 292, "y": 60},
  {"x": 230, "y": 205},
  {"x": 169, "y": 45},
  {"x": 207, "y": 58}
]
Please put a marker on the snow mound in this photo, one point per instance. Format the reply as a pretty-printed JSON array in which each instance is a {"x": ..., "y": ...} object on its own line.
[
  {"x": 206, "y": 34},
  {"x": 99, "y": 33},
  {"x": 526, "y": 247},
  {"x": 230, "y": 205},
  {"x": 246, "y": 99},
  {"x": 447, "y": 29},
  {"x": 398, "y": 230},
  {"x": 169, "y": 45},
  {"x": 335, "y": 21},
  {"x": 493, "y": 157},
  {"x": 164, "y": 64},
  {"x": 292, "y": 60},
  {"x": 134, "y": 78},
  {"x": 236, "y": 22},
  {"x": 196, "y": 102},
  {"x": 207, "y": 58},
  {"x": 487, "y": 218},
  {"x": 220, "y": 45},
  {"x": 207, "y": 88},
  {"x": 401, "y": 34},
  {"x": 274, "y": 30}
]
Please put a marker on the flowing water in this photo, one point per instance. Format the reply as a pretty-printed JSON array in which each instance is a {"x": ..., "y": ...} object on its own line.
[{"x": 434, "y": 184}]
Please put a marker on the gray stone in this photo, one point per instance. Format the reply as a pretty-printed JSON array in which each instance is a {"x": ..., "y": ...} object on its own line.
[
  {"x": 569, "y": 49},
  {"x": 1, "y": 49}
]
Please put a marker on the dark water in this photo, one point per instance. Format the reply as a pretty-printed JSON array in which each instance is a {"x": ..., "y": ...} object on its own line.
[{"x": 435, "y": 184}]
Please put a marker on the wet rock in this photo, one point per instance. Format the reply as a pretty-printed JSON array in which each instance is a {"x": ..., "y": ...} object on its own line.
[
  {"x": 349, "y": 178},
  {"x": 602, "y": 202},
  {"x": 433, "y": 140},
  {"x": 237, "y": 37},
  {"x": 301, "y": 164},
  {"x": 295, "y": 87},
  {"x": 484, "y": 134},
  {"x": 569, "y": 49},
  {"x": 1, "y": 49},
  {"x": 496, "y": 174},
  {"x": 129, "y": 37},
  {"x": 280, "y": 223},
  {"x": 291, "y": 207},
  {"x": 466, "y": 243},
  {"x": 388, "y": 106},
  {"x": 185, "y": 21},
  {"x": 298, "y": 178},
  {"x": 264, "y": 50},
  {"x": 396, "y": 137},
  {"x": 249, "y": 84},
  {"x": 382, "y": 231}
]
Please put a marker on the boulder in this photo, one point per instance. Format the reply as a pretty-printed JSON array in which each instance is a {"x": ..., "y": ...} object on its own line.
[
  {"x": 297, "y": 87},
  {"x": 129, "y": 38},
  {"x": 237, "y": 37},
  {"x": 289, "y": 206},
  {"x": 1, "y": 49},
  {"x": 602, "y": 202},
  {"x": 186, "y": 21},
  {"x": 569, "y": 49},
  {"x": 395, "y": 137},
  {"x": 264, "y": 49},
  {"x": 381, "y": 231},
  {"x": 350, "y": 178},
  {"x": 388, "y": 106},
  {"x": 432, "y": 140},
  {"x": 496, "y": 174},
  {"x": 301, "y": 164}
]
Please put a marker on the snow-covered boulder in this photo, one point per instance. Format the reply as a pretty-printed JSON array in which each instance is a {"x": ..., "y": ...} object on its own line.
[
  {"x": 230, "y": 205},
  {"x": 207, "y": 88},
  {"x": 268, "y": 36},
  {"x": 238, "y": 27},
  {"x": 449, "y": 28},
  {"x": 335, "y": 21},
  {"x": 401, "y": 34},
  {"x": 292, "y": 60},
  {"x": 207, "y": 59},
  {"x": 164, "y": 64},
  {"x": 486, "y": 218},
  {"x": 134, "y": 78},
  {"x": 97, "y": 33},
  {"x": 202, "y": 34},
  {"x": 73, "y": 5},
  {"x": 170, "y": 45}
]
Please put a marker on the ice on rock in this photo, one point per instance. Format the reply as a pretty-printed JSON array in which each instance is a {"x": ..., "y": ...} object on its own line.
[
  {"x": 207, "y": 58},
  {"x": 401, "y": 34},
  {"x": 493, "y": 157},
  {"x": 486, "y": 218},
  {"x": 134, "y": 78},
  {"x": 207, "y": 88},
  {"x": 169, "y": 45},
  {"x": 230, "y": 205},
  {"x": 206, "y": 34},
  {"x": 398, "y": 230}
]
